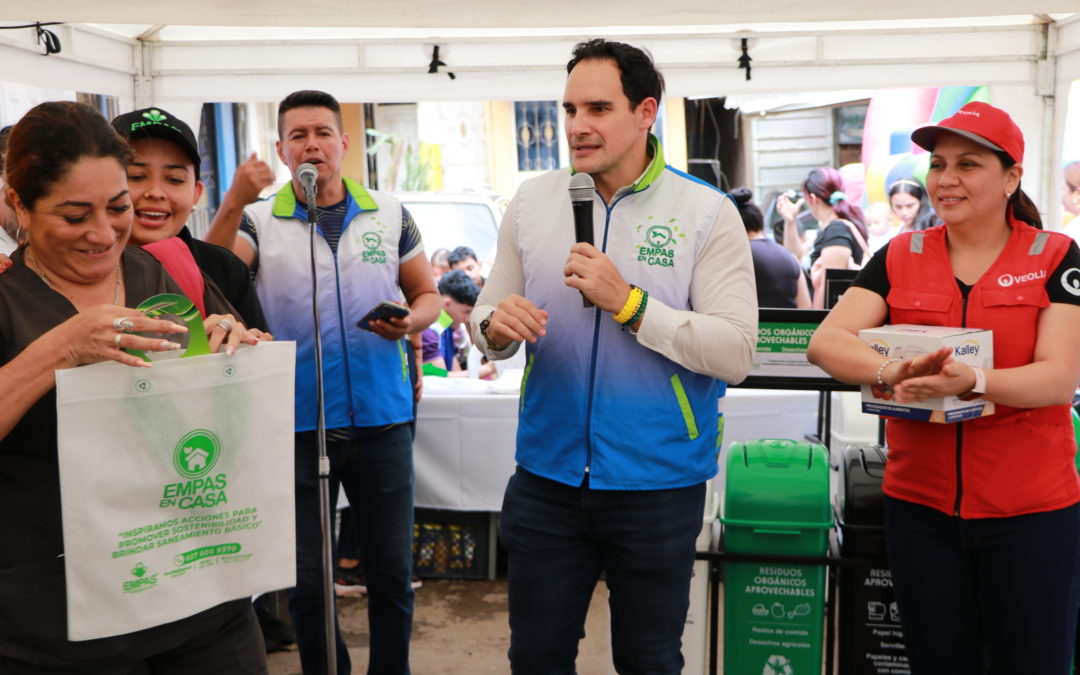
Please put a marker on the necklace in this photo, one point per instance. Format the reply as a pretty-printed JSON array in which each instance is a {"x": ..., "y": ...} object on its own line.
[{"x": 41, "y": 273}]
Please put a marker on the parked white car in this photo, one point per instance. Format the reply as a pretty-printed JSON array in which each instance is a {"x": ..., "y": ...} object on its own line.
[{"x": 449, "y": 220}]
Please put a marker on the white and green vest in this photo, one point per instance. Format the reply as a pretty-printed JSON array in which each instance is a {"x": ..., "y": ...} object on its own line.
[
  {"x": 366, "y": 378},
  {"x": 592, "y": 396}
]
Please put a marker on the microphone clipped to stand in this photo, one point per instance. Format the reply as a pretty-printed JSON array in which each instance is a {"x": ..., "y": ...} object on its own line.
[
  {"x": 307, "y": 174},
  {"x": 582, "y": 192}
]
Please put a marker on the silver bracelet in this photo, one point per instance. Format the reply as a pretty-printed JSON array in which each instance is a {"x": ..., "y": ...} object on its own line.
[{"x": 881, "y": 371}]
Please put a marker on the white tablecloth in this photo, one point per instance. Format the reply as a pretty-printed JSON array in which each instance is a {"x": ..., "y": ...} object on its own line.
[{"x": 464, "y": 449}]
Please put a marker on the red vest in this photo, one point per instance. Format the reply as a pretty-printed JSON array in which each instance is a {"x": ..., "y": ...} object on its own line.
[
  {"x": 1017, "y": 460},
  {"x": 175, "y": 256}
]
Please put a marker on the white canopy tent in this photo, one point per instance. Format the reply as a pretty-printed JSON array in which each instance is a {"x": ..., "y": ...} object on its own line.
[{"x": 180, "y": 55}]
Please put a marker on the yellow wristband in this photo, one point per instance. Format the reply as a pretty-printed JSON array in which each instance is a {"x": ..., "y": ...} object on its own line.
[{"x": 633, "y": 302}]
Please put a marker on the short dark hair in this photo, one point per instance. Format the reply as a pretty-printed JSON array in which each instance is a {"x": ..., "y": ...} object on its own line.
[
  {"x": 638, "y": 74},
  {"x": 50, "y": 138},
  {"x": 459, "y": 287},
  {"x": 308, "y": 98},
  {"x": 461, "y": 254}
]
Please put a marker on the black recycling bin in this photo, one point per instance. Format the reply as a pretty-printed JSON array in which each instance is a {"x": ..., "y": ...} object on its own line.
[{"x": 871, "y": 640}]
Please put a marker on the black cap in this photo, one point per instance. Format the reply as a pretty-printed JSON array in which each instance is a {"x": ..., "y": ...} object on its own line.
[{"x": 158, "y": 123}]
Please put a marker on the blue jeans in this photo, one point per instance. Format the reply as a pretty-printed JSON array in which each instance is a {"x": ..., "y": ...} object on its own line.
[
  {"x": 559, "y": 538},
  {"x": 985, "y": 595},
  {"x": 376, "y": 473}
]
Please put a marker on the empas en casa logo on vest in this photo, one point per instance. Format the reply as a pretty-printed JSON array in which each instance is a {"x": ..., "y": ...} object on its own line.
[{"x": 1006, "y": 280}]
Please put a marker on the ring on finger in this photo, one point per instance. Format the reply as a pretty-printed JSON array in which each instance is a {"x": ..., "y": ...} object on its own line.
[
  {"x": 116, "y": 339},
  {"x": 225, "y": 325},
  {"x": 123, "y": 323}
]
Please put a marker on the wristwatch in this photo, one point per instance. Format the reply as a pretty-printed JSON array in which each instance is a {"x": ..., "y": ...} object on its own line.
[{"x": 483, "y": 331}]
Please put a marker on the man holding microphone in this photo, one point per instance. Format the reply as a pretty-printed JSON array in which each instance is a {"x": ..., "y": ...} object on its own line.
[
  {"x": 618, "y": 426},
  {"x": 369, "y": 250}
]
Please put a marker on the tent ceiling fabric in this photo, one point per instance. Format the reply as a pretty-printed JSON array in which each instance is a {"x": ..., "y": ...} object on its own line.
[{"x": 505, "y": 15}]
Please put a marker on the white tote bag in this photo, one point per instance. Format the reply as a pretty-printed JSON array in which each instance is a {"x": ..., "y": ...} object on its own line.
[{"x": 176, "y": 486}]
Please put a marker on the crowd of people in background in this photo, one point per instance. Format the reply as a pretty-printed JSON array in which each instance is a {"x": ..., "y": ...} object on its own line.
[
  {"x": 822, "y": 228},
  {"x": 818, "y": 228}
]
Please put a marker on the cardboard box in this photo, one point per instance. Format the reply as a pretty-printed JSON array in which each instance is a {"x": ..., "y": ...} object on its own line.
[{"x": 972, "y": 346}]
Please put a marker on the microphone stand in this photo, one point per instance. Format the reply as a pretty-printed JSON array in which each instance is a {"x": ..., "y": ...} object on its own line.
[{"x": 326, "y": 515}]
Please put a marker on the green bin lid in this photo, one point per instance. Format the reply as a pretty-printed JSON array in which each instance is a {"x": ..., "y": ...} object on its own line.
[{"x": 777, "y": 481}]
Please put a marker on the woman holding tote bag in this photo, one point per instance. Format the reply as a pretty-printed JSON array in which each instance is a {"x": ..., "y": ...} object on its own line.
[{"x": 63, "y": 303}]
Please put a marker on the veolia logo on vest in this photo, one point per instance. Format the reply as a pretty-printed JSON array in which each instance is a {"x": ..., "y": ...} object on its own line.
[{"x": 1006, "y": 280}]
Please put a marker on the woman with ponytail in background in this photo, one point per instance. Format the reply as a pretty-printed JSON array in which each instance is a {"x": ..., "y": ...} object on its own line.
[{"x": 841, "y": 240}]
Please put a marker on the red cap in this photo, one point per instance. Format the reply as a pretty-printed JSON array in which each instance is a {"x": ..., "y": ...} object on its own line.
[{"x": 982, "y": 123}]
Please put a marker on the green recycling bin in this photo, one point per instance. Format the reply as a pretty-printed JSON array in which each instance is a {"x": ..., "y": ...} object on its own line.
[{"x": 776, "y": 503}]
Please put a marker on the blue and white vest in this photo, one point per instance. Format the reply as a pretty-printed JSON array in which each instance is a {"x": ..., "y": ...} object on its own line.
[
  {"x": 366, "y": 378},
  {"x": 594, "y": 400}
]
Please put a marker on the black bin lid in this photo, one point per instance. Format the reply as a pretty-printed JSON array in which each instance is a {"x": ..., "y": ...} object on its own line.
[{"x": 862, "y": 501}]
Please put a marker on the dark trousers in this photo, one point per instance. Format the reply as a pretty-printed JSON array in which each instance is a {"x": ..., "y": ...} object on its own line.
[
  {"x": 377, "y": 476},
  {"x": 232, "y": 647},
  {"x": 559, "y": 538},
  {"x": 348, "y": 546},
  {"x": 985, "y": 595}
]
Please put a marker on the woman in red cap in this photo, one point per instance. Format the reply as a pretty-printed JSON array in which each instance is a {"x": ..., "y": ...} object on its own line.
[{"x": 982, "y": 517}]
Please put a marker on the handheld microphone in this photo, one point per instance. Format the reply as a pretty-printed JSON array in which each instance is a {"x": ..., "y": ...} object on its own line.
[
  {"x": 582, "y": 189},
  {"x": 306, "y": 173}
]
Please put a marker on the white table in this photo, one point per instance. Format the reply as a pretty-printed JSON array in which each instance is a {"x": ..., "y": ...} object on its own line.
[{"x": 464, "y": 449}]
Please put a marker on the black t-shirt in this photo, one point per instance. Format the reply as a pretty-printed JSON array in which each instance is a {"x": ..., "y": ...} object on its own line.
[
  {"x": 875, "y": 277},
  {"x": 231, "y": 275},
  {"x": 837, "y": 233},
  {"x": 776, "y": 272}
]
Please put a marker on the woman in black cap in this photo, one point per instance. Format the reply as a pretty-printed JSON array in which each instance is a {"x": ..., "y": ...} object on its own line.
[
  {"x": 982, "y": 516},
  {"x": 163, "y": 177}
]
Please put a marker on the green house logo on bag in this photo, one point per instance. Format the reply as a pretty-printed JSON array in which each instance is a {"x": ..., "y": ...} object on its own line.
[
  {"x": 193, "y": 457},
  {"x": 196, "y": 453},
  {"x": 141, "y": 582}
]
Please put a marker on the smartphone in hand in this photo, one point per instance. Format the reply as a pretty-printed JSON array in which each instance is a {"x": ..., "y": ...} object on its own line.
[{"x": 381, "y": 311}]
